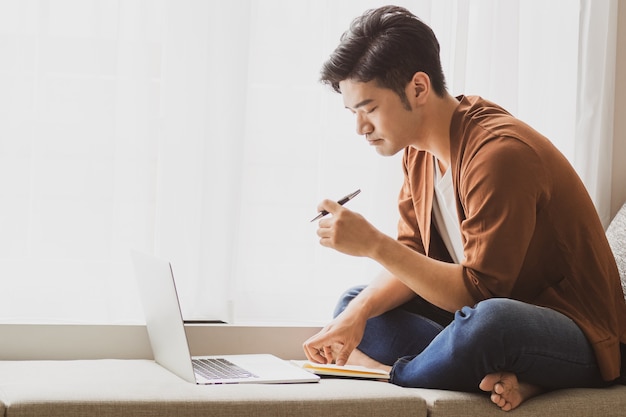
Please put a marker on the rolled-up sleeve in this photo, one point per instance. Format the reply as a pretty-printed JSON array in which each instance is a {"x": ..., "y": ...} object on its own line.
[{"x": 501, "y": 189}]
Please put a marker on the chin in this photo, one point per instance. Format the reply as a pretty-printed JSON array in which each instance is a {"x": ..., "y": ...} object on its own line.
[{"x": 386, "y": 152}]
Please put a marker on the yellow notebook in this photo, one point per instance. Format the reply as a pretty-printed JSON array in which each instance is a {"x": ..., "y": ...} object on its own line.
[{"x": 345, "y": 371}]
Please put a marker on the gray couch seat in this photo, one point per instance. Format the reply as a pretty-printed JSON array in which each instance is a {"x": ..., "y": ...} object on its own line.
[
  {"x": 606, "y": 402},
  {"x": 113, "y": 387},
  {"x": 143, "y": 388}
]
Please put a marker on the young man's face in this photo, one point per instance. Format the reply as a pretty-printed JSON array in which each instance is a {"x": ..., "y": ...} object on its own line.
[{"x": 381, "y": 116}]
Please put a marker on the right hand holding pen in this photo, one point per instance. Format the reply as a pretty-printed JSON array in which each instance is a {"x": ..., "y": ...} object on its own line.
[{"x": 346, "y": 231}]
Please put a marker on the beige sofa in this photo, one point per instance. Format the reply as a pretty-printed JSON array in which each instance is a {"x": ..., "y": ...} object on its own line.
[{"x": 140, "y": 387}]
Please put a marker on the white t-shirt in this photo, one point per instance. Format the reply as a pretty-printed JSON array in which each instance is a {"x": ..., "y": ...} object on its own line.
[{"x": 445, "y": 214}]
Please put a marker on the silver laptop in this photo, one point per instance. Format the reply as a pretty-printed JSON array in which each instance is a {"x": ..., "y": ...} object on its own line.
[{"x": 169, "y": 340}]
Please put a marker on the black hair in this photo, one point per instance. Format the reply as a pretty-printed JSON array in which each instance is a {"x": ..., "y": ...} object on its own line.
[{"x": 389, "y": 45}]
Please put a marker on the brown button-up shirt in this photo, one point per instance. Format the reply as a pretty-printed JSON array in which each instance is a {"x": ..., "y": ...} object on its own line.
[{"x": 530, "y": 230}]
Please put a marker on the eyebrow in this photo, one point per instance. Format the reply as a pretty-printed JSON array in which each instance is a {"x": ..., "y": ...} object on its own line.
[{"x": 361, "y": 103}]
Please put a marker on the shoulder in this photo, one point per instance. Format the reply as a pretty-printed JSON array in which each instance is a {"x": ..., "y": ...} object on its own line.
[
  {"x": 487, "y": 140},
  {"x": 476, "y": 117},
  {"x": 503, "y": 158}
]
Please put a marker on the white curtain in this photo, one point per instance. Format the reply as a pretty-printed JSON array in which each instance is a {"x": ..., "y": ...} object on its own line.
[
  {"x": 595, "y": 98},
  {"x": 198, "y": 131}
]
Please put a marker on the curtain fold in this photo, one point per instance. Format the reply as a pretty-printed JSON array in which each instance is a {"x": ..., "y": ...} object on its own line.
[{"x": 595, "y": 100}]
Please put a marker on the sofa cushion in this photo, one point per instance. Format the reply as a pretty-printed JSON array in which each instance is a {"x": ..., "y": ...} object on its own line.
[
  {"x": 605, "y": 402},
  {"x": 143, "y": 388}
]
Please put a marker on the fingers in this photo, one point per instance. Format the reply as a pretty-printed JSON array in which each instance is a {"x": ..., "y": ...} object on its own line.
[
  {"x": 314, "y": 346},
  {"x": 316, "y": 351},
  {"x": 329, "y": 206},
  {"x": 332, "y": 227},
  {"x": 336, "y": 353},
  {"x": 343, "y": 355},
  {"x": 326, "y": 232},
  {"x": 326, "y": 352},
  {"x": 347, "y": 232}
]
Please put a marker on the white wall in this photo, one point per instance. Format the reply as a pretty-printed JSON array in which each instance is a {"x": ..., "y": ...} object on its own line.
[{"x": 60, "y": 342}]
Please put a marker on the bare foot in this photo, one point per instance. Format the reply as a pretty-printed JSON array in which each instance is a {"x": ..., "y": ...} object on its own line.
[
  {"x": 506, "y": 391},
  {"x": 361, "y": 359}
]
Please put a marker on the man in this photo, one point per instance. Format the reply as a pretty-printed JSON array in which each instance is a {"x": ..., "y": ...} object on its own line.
[{"x": 501, "y": 278}]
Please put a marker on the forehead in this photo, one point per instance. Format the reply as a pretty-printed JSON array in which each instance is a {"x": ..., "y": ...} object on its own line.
[{"x": 356, "y": 93}]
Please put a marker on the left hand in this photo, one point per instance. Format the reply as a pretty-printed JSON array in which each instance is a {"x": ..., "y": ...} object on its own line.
[
  {"x": 346, "y": 231},
  {"x": 336, "y": 341}
]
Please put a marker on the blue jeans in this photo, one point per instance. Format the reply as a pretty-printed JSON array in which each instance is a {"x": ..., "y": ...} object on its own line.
[{"x": 539, "y": 345}]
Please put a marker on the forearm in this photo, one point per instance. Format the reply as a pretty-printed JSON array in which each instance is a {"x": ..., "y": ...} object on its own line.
[
  {"x": 440, "y": 283},
  {"x": 384, "y": 293}
]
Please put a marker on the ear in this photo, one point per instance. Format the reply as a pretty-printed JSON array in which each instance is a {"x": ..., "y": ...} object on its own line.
[{"x": 418, "y": 89}]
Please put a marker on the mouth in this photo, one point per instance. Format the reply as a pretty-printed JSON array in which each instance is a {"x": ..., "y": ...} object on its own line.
[{"x": 374, "y": 142}]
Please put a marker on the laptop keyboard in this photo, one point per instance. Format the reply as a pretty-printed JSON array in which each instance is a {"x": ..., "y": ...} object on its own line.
[{"x": 218, "y": 368}]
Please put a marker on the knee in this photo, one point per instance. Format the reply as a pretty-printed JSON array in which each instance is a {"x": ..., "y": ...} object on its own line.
[
  {"x": 488, "y": 320},
  {"x": 496, "y": 308},
  {"x": 501, "y": 310},
  {"x": 346, "y": 297}
]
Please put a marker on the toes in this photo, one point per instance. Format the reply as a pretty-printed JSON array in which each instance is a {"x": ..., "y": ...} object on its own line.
[
  {"x": 498, "y": 388},
  {"x": 489, "y": 381},
  {"x": 498, "y": 400}
]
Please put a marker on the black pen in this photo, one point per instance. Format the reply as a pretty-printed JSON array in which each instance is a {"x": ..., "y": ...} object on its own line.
[{"x": 340, "y": 202}]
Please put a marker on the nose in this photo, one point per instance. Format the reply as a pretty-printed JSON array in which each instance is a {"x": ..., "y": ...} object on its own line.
[{"x": 363, "y": 125}]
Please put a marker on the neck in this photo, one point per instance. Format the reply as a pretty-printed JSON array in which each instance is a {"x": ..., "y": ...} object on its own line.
[{"x": 440, "y": 117}]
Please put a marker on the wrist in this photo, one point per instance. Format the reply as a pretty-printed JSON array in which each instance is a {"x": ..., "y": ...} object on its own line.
[
  {"x": 380, "y": 246},
  {"x": 361, "y": 308}
]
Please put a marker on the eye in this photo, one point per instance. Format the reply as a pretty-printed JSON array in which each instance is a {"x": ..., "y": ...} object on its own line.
[{"x": 372, "y": 110}]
